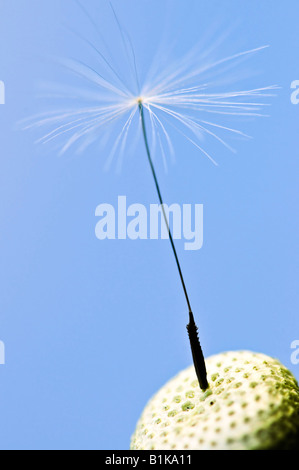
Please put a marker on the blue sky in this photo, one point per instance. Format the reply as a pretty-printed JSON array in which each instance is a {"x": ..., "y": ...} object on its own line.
[{"x": 92, "y": 329}]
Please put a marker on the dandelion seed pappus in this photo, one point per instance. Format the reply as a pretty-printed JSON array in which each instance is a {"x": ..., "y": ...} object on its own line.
[{"x": 184, "y": 96}]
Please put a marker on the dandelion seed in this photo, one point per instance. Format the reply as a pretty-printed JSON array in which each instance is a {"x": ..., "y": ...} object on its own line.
[
  {"x": 179, "y": 96},
  {"x": 166, "y": 103}
]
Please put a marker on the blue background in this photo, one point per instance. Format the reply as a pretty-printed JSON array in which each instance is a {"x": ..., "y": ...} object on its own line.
[{"x": 93, "y": 329}]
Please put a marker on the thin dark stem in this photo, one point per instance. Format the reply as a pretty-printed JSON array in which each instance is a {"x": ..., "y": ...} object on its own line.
[
  {"x": 162, "y": 206},
  {"x": 198, "y": 358}
]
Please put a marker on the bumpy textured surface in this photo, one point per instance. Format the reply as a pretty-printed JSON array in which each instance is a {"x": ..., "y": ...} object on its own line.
[{"x": 252, "y": 403}]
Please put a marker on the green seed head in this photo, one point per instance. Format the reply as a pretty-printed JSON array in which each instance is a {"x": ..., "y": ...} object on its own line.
[{"x": 252, "y": 404}]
